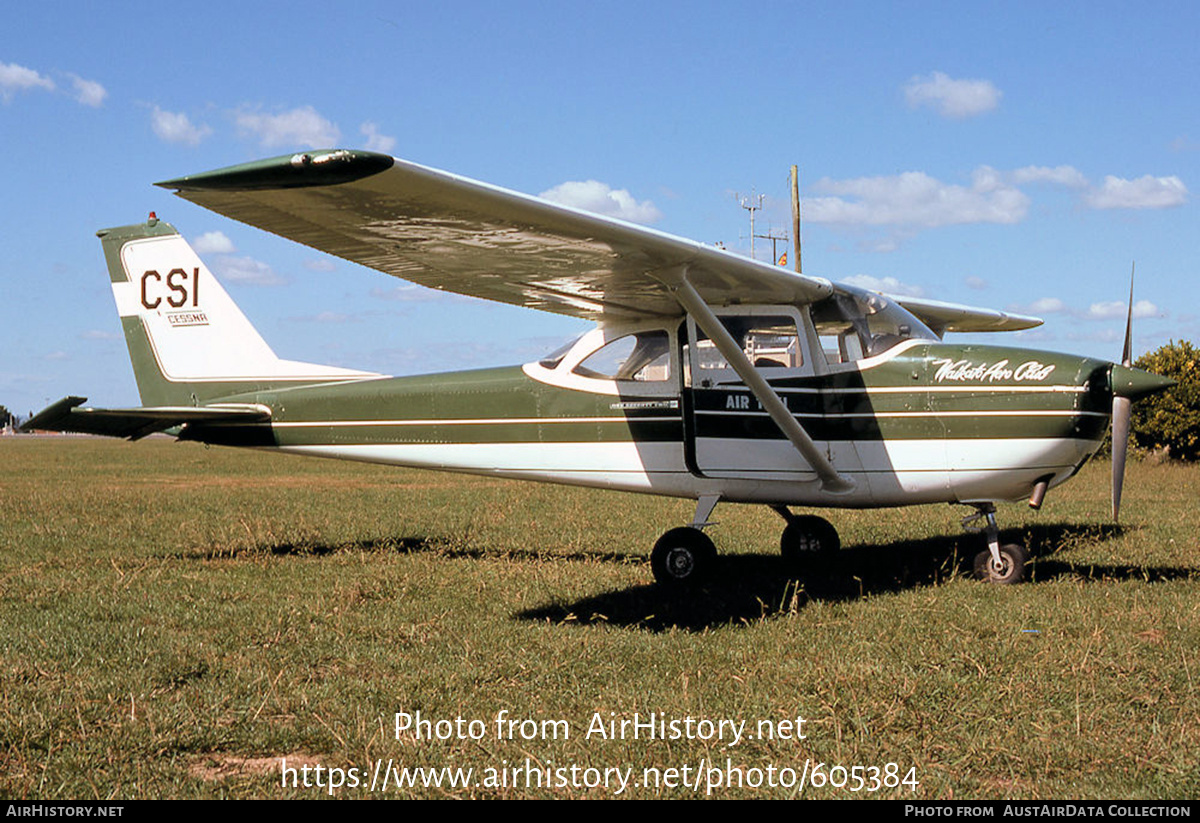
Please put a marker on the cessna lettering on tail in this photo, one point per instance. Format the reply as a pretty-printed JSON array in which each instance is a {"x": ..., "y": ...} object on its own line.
[
  {"x": 176, "y": 282},
  {"x": 961, "y": 370}
]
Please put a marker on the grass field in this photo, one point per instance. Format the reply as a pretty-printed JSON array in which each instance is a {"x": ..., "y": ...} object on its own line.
[{"x": 176, "y": 620}]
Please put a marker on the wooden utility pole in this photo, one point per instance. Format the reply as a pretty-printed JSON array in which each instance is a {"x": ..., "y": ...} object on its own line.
[{"x": 796, "y": 216}]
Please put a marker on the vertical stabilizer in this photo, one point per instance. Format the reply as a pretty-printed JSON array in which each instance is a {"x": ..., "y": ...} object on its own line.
[{"x": 188, "y": 340}]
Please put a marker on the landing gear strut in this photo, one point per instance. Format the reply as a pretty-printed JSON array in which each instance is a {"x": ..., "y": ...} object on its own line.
[{"x": 996, "y": 564}]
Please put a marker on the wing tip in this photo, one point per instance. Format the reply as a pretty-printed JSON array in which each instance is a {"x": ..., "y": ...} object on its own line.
[{"x": 323, "y": 167}]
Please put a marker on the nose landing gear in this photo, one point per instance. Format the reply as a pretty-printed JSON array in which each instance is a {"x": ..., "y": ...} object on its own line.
[{"x": 996, "y": 564}]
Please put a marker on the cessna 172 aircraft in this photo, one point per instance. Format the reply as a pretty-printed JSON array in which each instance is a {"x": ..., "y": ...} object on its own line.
[{"x": 709, "y": 376}]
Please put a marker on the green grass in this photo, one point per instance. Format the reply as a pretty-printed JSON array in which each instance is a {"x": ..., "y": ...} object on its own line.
[{"x": 173, "y": 620}]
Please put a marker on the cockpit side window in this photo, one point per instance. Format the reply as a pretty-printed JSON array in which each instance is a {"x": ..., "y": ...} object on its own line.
[{"x": 643, "y": 357}]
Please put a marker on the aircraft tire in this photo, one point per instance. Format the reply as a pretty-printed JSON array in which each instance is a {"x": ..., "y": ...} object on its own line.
[
  {"x": 1012, "y": 567},
  {"x": 683, "y": 557},
  {"x": 807, "y": 538}
]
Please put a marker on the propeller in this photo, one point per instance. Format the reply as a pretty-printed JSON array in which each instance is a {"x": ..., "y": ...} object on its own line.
[{"x": 1121, "y": 410}]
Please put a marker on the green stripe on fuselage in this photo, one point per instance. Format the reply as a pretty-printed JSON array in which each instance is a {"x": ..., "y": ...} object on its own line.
[{"x": 901, "y": 398}]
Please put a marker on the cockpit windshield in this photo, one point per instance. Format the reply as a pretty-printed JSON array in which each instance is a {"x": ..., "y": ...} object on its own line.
[{"x": 854, "y": 324}]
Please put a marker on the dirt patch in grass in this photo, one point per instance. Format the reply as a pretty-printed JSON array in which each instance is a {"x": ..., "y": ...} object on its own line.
[{"x": 217, "y": 766}]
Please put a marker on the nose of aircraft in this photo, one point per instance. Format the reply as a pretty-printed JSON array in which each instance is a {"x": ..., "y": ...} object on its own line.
[{"x": 1132, "y": 384}]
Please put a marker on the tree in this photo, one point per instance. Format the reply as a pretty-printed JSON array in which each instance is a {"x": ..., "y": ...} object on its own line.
[{"x": 1171, "y": 419}]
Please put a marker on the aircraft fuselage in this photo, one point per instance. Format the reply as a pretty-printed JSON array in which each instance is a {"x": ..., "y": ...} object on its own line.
[{"x": 925, "y": 422}]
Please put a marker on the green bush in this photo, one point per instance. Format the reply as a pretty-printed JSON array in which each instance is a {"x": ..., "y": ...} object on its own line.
[{"x": 1171, "y": 419}]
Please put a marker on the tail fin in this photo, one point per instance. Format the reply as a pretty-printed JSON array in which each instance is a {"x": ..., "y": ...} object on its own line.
[{"x": 189, "y": 342}]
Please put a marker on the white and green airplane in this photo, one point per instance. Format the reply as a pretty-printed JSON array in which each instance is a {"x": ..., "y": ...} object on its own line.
[{"x": 709, "y": 376}]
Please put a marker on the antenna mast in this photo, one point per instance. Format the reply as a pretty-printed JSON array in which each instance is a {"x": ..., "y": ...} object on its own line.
[{"x": 752, "y": 204}]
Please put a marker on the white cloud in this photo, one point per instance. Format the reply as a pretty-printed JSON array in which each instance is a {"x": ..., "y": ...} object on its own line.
[
  {"x": 1146, "y": 192},
  {"x": 176, "y": 127},
  {"x": 1108, "y": 310},
  {"x": 957, "y": 99},
  {"x": 299, "y": 127},
  {"x": 322, "y": 264},
  {"x": 413, "y": 293},
  {"x": 916, "y": 200},
  {"x": 1067, "y": 176},
  {"x": 1117, "y": 309},
  {"x": 213, "y": 242},
  {"x": 594, "y": 196},
  {"x": 376, "y": 141},
  {"x": 247, "y": 271},
  {"x": 1043, "y": 305},
  {"x": 976, "y": 283},
  {"x": 88, "y": 92},
  {"x": 14, "y": 78},
  {"x": 890, "y": 285},
  {"x": 325, "y": 317}
]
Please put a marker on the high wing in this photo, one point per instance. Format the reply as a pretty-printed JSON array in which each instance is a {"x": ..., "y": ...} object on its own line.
[
  {"x": 943, "y": 317},
  {"x": 136, "y": 423},
  {"x": 460, "y": 235}
]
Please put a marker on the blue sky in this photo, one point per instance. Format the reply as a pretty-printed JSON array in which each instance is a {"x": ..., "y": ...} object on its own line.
[{"x": 1012, "y": 155}]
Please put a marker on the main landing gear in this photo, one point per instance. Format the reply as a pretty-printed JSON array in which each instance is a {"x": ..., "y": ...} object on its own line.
[
  {"x": 806, "y": 537},
  {"x": 685, "y": 556},
  {"x": 997, "y": 563}
]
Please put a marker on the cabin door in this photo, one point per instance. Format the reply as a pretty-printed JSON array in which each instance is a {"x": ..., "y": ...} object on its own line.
[{"x": 729, "y": 434}]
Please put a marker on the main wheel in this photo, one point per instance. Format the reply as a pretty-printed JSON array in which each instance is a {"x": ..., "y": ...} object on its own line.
[
  {"x": 1011, "y": 568},
  {"x": 683, "y": 557},
  {"x": 807, "y": 537}
]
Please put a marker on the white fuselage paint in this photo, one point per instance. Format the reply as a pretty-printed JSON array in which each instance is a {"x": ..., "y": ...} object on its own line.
[{"x": 893, "y": 473}]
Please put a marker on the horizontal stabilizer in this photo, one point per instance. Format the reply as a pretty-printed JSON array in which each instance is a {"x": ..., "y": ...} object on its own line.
[{"x": 66, "y": 416}]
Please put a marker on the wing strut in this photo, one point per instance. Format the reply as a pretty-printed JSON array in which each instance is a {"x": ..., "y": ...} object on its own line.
[{"x": 831, "y": 480}]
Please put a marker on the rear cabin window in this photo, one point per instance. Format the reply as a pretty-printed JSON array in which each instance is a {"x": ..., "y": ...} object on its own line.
[{"x": 642, "y": 357}]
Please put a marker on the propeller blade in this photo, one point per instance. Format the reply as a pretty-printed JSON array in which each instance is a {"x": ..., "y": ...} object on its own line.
[
  {"x": 1126, "y": 359},
  {"x": 1120, "y": 445},
  {"x": 1121, "y": 411}
]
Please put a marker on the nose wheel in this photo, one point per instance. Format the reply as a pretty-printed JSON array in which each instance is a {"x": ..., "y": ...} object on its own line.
[
  {"x": 1009, "y": 569},
  {"x": 996, "y": 564}
]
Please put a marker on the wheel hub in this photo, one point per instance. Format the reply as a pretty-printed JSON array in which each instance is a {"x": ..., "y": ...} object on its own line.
[{"x": 680, "y": 562}]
